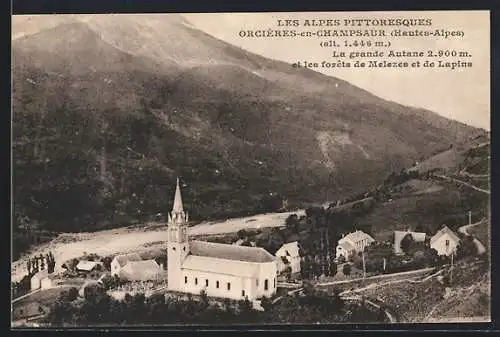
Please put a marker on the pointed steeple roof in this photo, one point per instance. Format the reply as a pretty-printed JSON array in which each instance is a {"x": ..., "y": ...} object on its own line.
[{"x": 177, "y": 208}]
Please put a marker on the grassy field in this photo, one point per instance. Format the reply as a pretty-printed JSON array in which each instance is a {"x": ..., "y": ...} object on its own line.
[{"x": 45, "y": 297}]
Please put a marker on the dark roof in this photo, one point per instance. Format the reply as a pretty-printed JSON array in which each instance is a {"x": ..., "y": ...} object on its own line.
[{"x": 230, "y": 252}]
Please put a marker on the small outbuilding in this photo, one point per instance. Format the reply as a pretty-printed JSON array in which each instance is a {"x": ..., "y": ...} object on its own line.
[
  {"x": 288, "y": 256},
  {"x": 146, "y": 270},
  {"x": 36, "y": 280},
  {"x": 85, "y": 265},
  {"x": 120, "y": 261}
]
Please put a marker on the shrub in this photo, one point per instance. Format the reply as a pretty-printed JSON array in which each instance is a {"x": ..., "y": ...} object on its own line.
[{"x": 346, "y": 269}]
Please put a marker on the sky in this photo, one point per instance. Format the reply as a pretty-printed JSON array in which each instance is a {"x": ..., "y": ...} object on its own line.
[{"x": 462, "y": 94}]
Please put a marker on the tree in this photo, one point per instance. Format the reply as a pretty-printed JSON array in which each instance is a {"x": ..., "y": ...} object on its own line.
[
  {"x": 333, "y": 268},
  {"x": 346, "y": 269},
  {"x": 242, "y": 234},
  {"x": 204, "y": 298},
  {"x": 106, "y": 261},
  {"x": 292, "y": 222},
  {"x": 51, "y": 263},
  {"x": 266, "y": 303},
  {"x": 467, "y": 247},
  {"x": 406, "y": 243},
  {"x": 28, "y": 267},
  {"x": 288, "y": 272}
]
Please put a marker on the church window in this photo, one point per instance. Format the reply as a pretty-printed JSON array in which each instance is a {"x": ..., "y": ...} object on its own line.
[
  {"x": 447, "y": 243},
  {"x": 266, "y": 284},
  {"x": 196, "y": 281},
  {"x": 184, "y": 248},
  {"x": 228, "y": 286},
  {"x": 243, "y": 293},
  {"x": 185, "y": 279},
  {"x": 274, "y": 280},
  {"x": 174, "y": 249},
  {"x": 206, "y": 283},
  {"x": 257, "y": 282},
  {"x": 217, "y": 284}
]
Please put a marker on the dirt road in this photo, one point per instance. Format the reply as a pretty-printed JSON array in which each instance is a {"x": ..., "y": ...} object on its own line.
[
  {"x": 481, "y": 249},
  {"x": 463, "y": 183}
]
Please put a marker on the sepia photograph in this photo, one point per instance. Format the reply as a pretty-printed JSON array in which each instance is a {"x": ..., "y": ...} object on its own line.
[{"x": 219, "y": 169}]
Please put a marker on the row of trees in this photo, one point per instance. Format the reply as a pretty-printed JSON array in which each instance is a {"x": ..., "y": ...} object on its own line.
[
  {"x": 98, "y": 308},
  {"x": 41, "y": 262}
]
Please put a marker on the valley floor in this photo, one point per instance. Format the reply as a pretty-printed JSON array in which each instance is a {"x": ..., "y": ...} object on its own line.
[{"x": 136, "y": 239}]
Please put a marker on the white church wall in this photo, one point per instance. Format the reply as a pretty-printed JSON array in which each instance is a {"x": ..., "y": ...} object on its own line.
[
  {"x": 237, "y": 284},
  {"x": 268, "y": 271}
]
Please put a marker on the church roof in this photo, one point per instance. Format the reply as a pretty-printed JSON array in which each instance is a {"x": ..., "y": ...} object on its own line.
[
  {"x": 230, "y": 252},
  {"x": 221, "y": 266},
  {"x": 177, "y": 208}
]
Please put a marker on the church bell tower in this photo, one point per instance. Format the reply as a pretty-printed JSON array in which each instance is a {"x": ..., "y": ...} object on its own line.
[{"x": 178, "y": 241}]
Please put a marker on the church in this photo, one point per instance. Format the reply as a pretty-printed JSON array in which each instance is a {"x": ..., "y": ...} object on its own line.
[{"x": 221, "y": 270}]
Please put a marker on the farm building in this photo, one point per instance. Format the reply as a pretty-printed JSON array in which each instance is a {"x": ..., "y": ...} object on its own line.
[
  {"x": 399, "y": 235},
  {"x": 445, "y": 241},
  {"x": 36, "y": 280},
  {"x": 353, "y": 243},
  {"x": 288, "y": 256},
  {"x": 144, "y": 270},
  {"x": 85, "y": 265},
  {"x": 121, "y": 260},
  {"x": 221, "y": 270},
  {"x": 29, "y": 310}
]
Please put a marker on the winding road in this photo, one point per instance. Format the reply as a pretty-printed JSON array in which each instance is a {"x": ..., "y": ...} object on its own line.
[
  {"x": 481, "y": 249},
  {"x": 462, "y": 183}
]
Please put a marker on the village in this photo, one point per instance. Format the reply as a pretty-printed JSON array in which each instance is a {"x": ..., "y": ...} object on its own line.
[{"x": 243, "y": 268}]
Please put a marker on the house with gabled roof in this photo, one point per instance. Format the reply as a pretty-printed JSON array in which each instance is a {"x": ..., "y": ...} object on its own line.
[
  {"x": 352, "y": 243},
  {"x": 144, "y": 270},
  {"x": 120, "y": 261},
  {"x": 220, "y": 270},
  {"x": 288, "y": 256},
  {"x": 445, "y": 241}
]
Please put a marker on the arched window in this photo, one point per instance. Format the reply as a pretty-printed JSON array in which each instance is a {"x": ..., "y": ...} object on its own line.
[{"x": 266, "y": 284}]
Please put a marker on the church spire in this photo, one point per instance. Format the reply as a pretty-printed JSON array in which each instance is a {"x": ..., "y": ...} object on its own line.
[
  {"x": 177, "y": 216},
  {"x": 177, "y": 208}
]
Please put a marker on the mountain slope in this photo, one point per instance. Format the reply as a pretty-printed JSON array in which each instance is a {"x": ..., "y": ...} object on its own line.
[{"x": 109, "y": 109}]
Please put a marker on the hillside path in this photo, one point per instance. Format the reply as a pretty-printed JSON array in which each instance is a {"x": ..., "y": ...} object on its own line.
[
  {"x": 481, "y": 249},
  {"x": 463, "y": 183}
]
